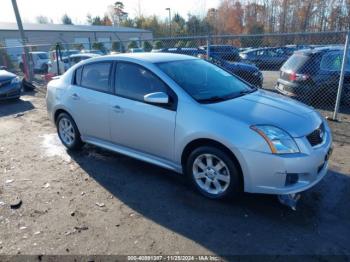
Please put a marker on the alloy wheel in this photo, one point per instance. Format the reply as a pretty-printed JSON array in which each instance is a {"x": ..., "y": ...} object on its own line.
[
  {"x": 66, "y": 131},
  {"x": 211, "y": 174}
]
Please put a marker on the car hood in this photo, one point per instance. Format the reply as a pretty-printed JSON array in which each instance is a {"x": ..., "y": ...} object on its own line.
[
  {"x": 6, "y": 75},
  {"x": 267, "y": 108}
]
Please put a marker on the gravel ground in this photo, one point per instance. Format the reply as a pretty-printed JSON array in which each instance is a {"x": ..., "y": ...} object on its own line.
[{"x": 97, "y": 202}]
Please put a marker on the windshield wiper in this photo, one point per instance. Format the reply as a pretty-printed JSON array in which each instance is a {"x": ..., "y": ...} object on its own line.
[
  {"x": 211, "y": 99},
  {"x": 214, "y": 99},
  {"x": 244, "y": 92}
]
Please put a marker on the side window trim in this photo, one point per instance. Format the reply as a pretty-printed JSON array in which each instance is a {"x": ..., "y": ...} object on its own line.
[
  {"x": 110, "y": 91},
  {"x": 170, "y": 92},
  {"x": 74, "y": 78}
]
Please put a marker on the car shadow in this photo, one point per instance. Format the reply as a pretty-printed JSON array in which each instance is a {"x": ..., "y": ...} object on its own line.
[
  {"x": 12, "y": 107},
  {"x": 248, "y": 224}
]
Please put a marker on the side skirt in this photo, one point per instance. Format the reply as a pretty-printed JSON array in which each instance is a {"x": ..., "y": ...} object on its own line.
[{"x": 133, "y": 153}]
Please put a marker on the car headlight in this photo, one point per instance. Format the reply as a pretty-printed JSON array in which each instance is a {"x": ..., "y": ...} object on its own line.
[
  {"x": 279, "y": 141},
  {"x": 15, "y": 80}
]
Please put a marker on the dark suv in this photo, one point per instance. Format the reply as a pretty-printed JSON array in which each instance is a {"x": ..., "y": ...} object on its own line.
[
  {"x": 312, "y": 75},
  {"x": 265, "y": 58},
  {"x": 226, "y": 52}
]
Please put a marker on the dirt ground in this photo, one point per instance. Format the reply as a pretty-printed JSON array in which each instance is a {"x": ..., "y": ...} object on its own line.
[{"x": 97, "y": 202}]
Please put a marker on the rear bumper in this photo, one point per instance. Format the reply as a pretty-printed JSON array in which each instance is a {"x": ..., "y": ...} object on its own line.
[
  {"x": 10, "y": 91},
  {"x": 292, "y": 89}
]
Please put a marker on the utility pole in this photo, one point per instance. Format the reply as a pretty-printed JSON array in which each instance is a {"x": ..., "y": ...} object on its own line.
[
  {"x": 24, "y": 41},
  {"x": 169, "y": 10}
]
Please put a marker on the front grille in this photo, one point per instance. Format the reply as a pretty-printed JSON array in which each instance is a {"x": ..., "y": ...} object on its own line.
[{"x": 316, "y": 137}]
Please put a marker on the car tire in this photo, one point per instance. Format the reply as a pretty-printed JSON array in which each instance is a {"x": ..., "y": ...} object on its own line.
[
  {"x": 68, "y": 132},
  {"x": 215, "y": 179}
]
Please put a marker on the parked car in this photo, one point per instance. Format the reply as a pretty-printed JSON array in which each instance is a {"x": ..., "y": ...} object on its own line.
[
  {"x": 92, "y": 51},
  {"x": 265, "y": 58},
  {"x": 190, "y": 116},
  {"x": 69, "y": 61},
  {"x": 10, "y": 85},
  {"x": 76, "y": 58},
  {"x": 192, "y": 51},
  {"x": 40, "y": 61},
  {"x": 226, "y": 52},
  {"x": 136, "y": 50},
  {"x": 249, "y": 73},
  {"x": 313, "y": 75}
]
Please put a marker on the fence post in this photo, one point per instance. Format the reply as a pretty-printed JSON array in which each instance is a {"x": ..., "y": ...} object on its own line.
[
  {"x": 208, "y": 47},
  {"x": 341, "y": 79}
]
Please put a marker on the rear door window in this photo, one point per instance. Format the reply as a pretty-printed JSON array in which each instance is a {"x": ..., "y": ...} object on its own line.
[
  {"x": 333, "y": 62},
  {"x": 96, "y": 76}
]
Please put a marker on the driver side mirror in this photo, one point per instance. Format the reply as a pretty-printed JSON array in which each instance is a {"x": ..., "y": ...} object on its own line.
[{"x": 156, "y": 98}]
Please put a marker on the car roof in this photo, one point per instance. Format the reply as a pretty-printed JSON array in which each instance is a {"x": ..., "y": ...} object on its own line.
[
  {"x": 85, "y": 54},
  {"x": 318, "y": 50},
  {"x": 149, "y": 57}
]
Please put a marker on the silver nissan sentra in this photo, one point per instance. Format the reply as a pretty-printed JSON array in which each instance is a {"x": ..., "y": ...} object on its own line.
[{"x": 190, "y": 116}]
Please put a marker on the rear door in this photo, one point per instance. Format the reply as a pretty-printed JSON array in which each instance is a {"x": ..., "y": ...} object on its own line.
[{"x": 90, "y": 97}]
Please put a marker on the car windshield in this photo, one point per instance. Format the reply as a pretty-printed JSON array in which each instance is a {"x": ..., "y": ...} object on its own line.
[{"x": 204, "y": 81}]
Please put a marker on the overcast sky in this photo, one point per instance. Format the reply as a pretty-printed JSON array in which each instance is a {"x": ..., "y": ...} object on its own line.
[{"x": 78, "y": 9}]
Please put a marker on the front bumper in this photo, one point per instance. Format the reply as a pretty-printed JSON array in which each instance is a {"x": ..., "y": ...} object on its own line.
[
  {"x": 10, "y": 91},
  {"x": 267, "y": 173}
]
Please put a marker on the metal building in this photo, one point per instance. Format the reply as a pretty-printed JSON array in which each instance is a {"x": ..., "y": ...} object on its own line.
[{"x": 43, "y": 36}]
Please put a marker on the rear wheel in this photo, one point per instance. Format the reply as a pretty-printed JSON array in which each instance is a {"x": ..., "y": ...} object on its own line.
[
  {"x": 213, "y": 173},
  {"x": 68, "y": 132}
]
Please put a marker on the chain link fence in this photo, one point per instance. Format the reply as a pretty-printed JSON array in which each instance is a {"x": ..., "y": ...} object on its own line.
[{"x": 308, "y": 67}]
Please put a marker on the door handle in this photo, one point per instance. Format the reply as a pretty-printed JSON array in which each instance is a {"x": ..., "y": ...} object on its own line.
[
  {"x": 75, "y": 97},
  {"x": 117, "y": 109}
]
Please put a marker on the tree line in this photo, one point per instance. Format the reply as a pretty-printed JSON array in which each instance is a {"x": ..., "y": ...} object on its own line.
[
  {"x": 235, "y": 17},
  {"x": 247, "y": 17}
]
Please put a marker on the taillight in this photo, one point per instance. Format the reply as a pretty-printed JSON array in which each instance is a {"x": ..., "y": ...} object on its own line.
[
  {"x": 292, "y": 76},
  {"x": 297, "y": 77}
]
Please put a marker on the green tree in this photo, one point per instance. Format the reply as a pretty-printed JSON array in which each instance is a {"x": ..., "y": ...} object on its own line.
[
  {"x": 66, "y": 20},
  {"x": 158, "y": 45},
  {"x": 117, "y": 46},
  {"x": 178, "y": 25},
  {"x": 147, "y": 46},
  {"x": 99, "y": 46},
  {"x": 78, "y": 46},
  {"x": 43, "y": 20},
  {"x": 190, "y": 44},
  {"x": 133, "y": 44},
  {"x": 180, "y": 44}
]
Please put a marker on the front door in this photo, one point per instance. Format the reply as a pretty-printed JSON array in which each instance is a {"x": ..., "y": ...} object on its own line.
[{"x": 145, "y": 127}]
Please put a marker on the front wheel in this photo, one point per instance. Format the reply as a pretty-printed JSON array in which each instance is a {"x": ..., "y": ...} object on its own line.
[
  {"x": 213, "y": 173},
  {"x": 68, "y": 132}
]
